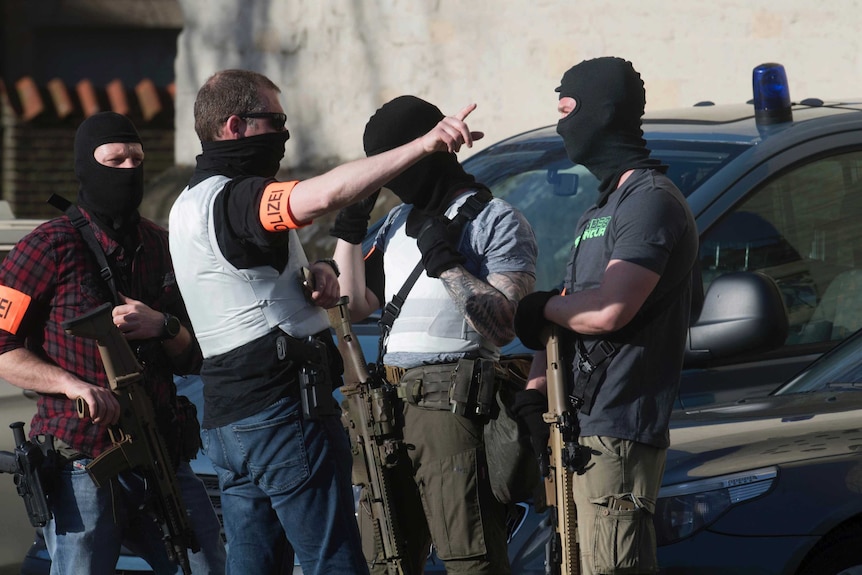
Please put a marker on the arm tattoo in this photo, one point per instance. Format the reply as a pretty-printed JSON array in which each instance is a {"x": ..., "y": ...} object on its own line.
[{"x": 489, "y": 307}]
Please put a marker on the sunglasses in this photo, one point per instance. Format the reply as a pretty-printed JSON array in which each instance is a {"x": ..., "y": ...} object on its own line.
[{"x": 276, "y": 119}]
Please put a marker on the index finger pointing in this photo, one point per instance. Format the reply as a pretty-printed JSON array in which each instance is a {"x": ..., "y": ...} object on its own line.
[{"x": 465, "y": 112}]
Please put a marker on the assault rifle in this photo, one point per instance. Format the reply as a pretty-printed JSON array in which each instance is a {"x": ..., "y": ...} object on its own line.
[
  {"x": 373, "y": 433},
  {"x": 32, "y": 465},
  {"x": 137, "y": 443},
  {"x": 562, "y": 556}
]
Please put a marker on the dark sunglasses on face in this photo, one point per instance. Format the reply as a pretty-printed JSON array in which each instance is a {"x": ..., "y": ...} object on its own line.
[{"x": 276, "y": 119}]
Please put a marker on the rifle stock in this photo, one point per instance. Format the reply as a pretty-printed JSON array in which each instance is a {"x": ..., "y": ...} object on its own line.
[
  {"x": 561, "y": 555},
  {"x": 372, "y": 428},
  {"x": 137, "y": 443}
]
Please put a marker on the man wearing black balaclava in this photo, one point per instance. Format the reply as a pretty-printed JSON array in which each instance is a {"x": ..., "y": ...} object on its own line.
[
  {"x": 53, "y": 275},
  {"x": 624, "y": 315},
  {"x": 283, "y": 462},
  {"x": 458, "y": 312},
  {"x": 111, "y": 196}
]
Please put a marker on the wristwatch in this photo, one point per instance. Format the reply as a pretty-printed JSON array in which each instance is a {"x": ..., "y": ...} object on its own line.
[{"x": 171, "y": 327}]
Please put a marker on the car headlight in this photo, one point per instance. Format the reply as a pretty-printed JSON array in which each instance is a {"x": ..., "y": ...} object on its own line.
[{"x": 684, "y": 509}]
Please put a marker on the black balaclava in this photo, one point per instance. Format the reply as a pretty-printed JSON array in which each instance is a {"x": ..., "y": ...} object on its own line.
[
  {"x": 429, "y": 183},
  {"x": 110, "y": 195},
  {"x": 603, "y": 132},
  {"x": 258, "y": 155}
]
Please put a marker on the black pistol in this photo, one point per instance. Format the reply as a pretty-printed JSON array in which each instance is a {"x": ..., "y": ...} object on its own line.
[{"x": 32, "y": 465}]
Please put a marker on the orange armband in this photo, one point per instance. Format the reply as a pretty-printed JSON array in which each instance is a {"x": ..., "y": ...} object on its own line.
[
  {"x": 274, "y": 212},
  {"x": 13, "y": 306}
]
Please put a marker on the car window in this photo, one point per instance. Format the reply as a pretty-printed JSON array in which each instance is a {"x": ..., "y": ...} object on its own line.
[
  {"x": 552, "y": 201},
  {"x": 692, "y": 163},
  {"x": 538, "y": 178},
  {"x": 551, "y": 192},
  {"x": 801, "y": 228},
  {"x": 840, "y": 369}
]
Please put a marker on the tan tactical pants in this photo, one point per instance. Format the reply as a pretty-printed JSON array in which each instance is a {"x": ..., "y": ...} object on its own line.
[{"x": 615, "y": 500}]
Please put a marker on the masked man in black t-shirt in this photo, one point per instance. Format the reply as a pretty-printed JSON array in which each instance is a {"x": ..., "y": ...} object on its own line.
[{"x": 626, "y": 307}]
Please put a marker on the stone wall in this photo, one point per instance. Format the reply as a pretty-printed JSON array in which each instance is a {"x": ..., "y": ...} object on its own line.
[{"x": 338, "y": 60}]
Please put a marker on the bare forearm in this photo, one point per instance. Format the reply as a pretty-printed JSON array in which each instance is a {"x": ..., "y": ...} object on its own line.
[
  {"x": 350, "y": 182},
  {"x": 24, "y": 369},
  {"x": 538, "y": 377},
  {"x": 356, "y": 180},
  {"x": 583, "y": 312},
  {"x": 609, "y": 307},
  {"x": 178, "y": 346},
  {"x": 488, "y": 307},
  {"x": 352, "y": 280}
]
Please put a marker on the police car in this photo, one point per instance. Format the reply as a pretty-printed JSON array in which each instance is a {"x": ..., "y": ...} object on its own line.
[{"x": 776, "y": 188}]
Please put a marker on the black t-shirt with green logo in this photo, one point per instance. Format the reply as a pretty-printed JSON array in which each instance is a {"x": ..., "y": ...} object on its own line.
[{"x": 647, "y": 222}]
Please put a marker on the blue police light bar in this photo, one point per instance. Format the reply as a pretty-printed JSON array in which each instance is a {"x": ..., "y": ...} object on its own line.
[{"x": 771, "y": 95}]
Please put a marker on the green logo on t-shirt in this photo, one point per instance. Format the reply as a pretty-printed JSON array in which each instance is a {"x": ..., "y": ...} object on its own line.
[{"x": 595, "y": 229}]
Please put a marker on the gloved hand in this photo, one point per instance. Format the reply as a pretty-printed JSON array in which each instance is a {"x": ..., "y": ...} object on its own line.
[
  {"x": 438, "y": 254},
  {"x": 528, "y": 407},
  {"x": 351, "y": 223},
  {"x": 530, "y": 318}
]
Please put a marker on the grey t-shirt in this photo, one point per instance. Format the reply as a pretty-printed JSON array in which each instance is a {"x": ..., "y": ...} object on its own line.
[
  {"x": 647, "y": 222},
  {"x": 498, "y": 240}
]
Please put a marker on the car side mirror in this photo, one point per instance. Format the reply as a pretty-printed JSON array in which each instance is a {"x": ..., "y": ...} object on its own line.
[{"x": 742, "y": 312}]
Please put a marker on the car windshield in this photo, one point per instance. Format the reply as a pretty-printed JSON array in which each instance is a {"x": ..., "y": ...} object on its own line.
[
  {"x": 537, "y": 177},
  {"x": 841, "y": 368}
]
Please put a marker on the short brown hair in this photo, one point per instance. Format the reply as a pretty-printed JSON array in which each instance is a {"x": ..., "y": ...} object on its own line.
[{"x": 226, "y": 93}]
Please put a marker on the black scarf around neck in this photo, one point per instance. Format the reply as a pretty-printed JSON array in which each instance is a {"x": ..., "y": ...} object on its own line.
[{"x": 258, "y": 155}]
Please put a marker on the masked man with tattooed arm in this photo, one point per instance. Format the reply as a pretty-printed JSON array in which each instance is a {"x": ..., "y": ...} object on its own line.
[{"x": 458, "y": 312}]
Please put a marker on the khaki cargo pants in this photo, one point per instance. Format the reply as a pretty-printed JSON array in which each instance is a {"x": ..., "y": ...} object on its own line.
[
  {"x": 615, "y": 500},
  {"x": 443, "y": 495}
]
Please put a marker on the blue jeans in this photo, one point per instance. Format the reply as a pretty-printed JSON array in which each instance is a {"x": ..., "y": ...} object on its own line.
[
  {"x": 282, "y": 474},
  {"x": 89, "y": 524}
]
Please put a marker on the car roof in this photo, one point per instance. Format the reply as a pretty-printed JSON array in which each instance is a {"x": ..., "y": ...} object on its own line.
[
  {"x": 723, "y": 122},
  {"x": 13, "y": 229}
]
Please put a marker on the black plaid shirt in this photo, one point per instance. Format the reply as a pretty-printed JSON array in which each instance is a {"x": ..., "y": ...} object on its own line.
[{"x": 57, "y": 269}]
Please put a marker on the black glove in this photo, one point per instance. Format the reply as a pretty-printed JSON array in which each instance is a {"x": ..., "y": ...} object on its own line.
[
  {"x": 528, "y": 407},
  {"x": 351, "y": 223},
  {"x": 530, "y": 318},
  {"x": 438, "y": 255}
]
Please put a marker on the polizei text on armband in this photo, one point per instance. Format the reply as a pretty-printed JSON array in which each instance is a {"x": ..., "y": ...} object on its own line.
[{"x": 276, "y": 209}]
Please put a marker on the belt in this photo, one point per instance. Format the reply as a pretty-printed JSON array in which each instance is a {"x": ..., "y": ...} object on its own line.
[{"x": 466, "y": 387}]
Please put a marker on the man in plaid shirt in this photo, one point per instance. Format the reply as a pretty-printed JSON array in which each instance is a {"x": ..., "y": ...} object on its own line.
[{"x": 52, "y": 276}]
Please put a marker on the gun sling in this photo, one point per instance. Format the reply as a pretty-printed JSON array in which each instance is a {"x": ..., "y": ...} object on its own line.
[
  {"x": 83, "y": 226},
  {"x": 591, "y": 366},
  {"x": 471, "y": 208}
]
